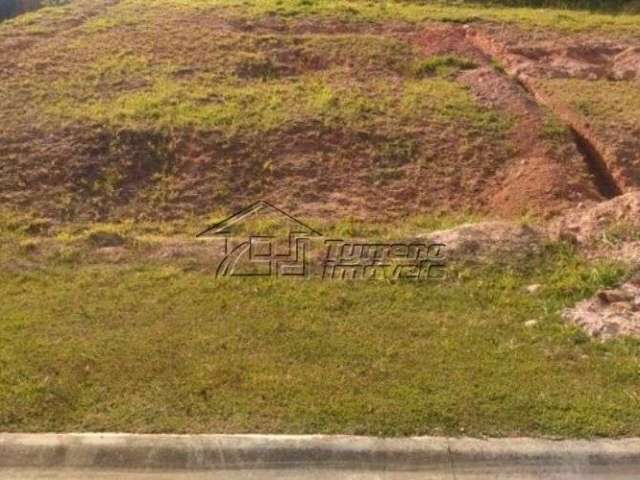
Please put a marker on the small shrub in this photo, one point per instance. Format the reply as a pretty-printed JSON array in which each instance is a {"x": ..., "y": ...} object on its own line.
[
  {"x": 28, "y": 246},
  {"x": 104, "y": 238},
  {"x": 37, "y": 227},
  {"x": 498, "y": 67},
  {"x": 397, "y": 152},
  {"x": 257, "y": 67}
]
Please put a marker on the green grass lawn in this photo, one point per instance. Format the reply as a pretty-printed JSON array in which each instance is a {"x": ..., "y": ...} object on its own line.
[{"x": 165, "y": 347}]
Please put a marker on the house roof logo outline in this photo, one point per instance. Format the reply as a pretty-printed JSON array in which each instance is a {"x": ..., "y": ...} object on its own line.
[{"x": 224, "y": 227}]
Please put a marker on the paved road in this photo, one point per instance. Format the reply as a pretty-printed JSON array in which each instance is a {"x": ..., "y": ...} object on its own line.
[{"x": 316, "y": 474}]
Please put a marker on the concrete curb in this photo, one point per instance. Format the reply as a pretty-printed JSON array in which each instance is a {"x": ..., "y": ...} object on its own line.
[{"x": 228, "y": 452}]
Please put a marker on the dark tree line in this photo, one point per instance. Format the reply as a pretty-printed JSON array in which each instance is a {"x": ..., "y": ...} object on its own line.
[
  {"x": 11, "y": 8},
  {"x": 606, "y": 5},
  {"x": 571, "y": 4}
]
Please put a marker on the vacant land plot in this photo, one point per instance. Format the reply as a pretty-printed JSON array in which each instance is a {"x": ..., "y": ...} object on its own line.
[{"x": 126, "y": 127}]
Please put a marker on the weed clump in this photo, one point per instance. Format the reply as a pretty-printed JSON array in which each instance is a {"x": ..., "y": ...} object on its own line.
[
  {"x": 259, "y": 67},
  {"x": 105, "y": 238},
  {"x": 442, "y": 65}
]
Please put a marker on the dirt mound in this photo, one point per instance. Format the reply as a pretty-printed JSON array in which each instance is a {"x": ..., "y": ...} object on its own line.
[
  {"x": 609, "y": 230},
  {"x": 610, "y": 313},
  {"x": 479, "y": 241},
  {"x": 588, "y": 224}
]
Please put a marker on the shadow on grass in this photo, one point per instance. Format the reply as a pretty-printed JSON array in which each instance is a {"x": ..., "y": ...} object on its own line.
[
  {"x": 13, "y": 8},
  {"x": 603, "y": 6}
]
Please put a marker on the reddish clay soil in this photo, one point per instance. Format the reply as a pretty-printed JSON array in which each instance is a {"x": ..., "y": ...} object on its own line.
[
  {"x": 315, "y": 172},
  {"x": 541, "y": 176},
  {"x": 613, "y": 148},
  {"x": 548, "y": 54}
]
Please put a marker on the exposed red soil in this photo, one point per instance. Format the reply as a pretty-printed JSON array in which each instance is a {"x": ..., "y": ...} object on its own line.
[
  {"x": 540, "y": 176},
  {"x": 313, "y": 171},
  {"x": 552, "y": 55},
  {"x": 447, "y": 40},
  {"x": 616, "y": 147}
]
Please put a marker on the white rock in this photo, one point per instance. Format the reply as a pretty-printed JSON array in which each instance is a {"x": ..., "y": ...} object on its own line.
[{"x": 534, "y": 288}]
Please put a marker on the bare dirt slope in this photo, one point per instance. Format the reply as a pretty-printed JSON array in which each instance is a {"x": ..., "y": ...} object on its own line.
[{"x": 591, "y": 81}]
